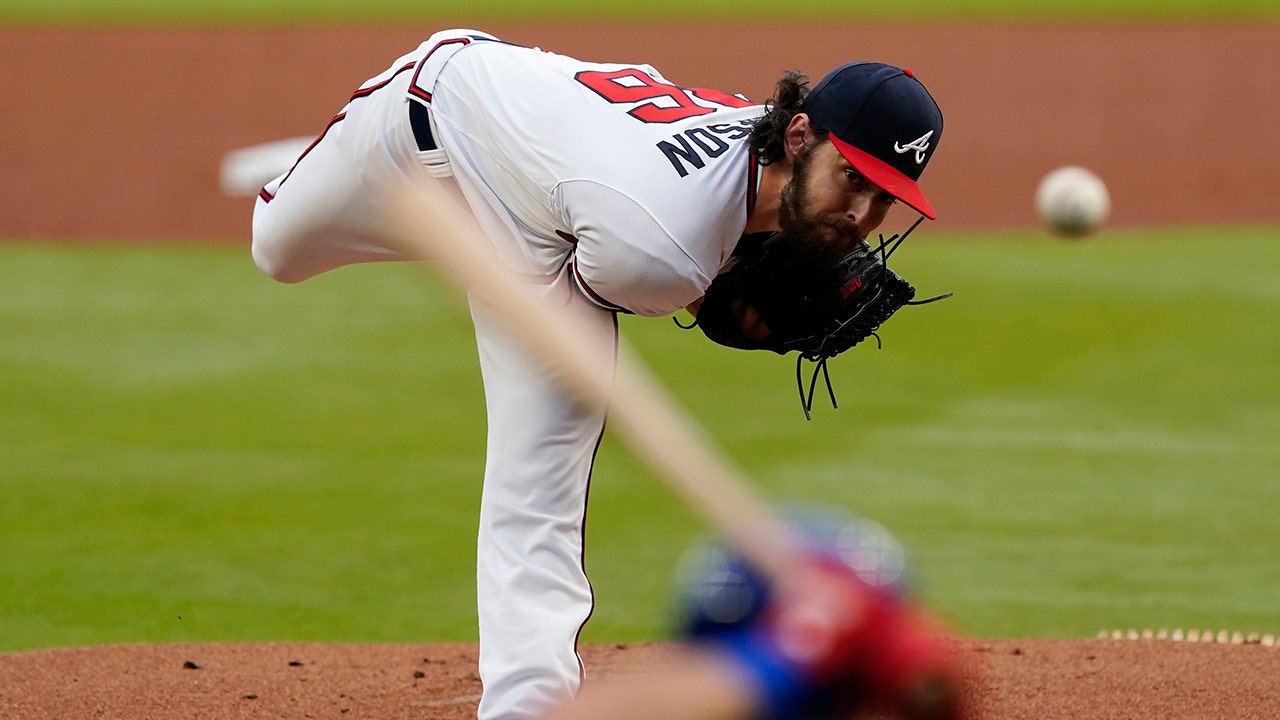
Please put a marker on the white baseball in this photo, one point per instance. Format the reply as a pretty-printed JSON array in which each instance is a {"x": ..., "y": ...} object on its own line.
[{"x": 1073, "y": 201}]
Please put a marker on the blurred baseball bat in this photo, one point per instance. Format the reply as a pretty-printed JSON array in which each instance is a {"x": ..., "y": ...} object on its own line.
[{"x": 426, "y": 222}]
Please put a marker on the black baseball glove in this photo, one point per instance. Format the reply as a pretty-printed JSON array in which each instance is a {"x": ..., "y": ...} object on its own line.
[{"x": 809, "y": 301}]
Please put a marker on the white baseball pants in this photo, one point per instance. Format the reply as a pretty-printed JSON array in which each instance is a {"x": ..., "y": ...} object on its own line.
[{"x": 533, "y": 592}]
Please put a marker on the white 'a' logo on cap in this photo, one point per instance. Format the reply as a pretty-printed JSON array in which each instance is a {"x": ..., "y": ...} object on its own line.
[{"x": 920, "y": 145}]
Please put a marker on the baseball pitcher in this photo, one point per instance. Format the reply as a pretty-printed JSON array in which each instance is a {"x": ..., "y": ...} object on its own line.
[{"x": 608, "y": 188}]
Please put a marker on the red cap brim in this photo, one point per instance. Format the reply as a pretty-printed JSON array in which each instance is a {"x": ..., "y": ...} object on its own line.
[{"x": 884, "y": 175}]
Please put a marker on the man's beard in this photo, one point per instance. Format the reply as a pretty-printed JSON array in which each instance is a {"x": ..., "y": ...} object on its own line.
[{"x": 793, "y": 213}]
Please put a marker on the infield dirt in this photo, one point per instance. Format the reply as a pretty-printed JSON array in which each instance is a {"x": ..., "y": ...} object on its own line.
[{"x": 1017, "y": 680}]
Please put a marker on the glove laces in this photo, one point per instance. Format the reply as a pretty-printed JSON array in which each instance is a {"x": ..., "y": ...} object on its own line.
[{"x": 820, "y": 357}]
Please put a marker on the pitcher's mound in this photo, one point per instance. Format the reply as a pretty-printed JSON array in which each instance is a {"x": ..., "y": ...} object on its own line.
[{"x": 1032, "y": 679}]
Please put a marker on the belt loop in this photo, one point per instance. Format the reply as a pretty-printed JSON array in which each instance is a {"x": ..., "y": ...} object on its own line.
[{"x": 420, "y": 121}]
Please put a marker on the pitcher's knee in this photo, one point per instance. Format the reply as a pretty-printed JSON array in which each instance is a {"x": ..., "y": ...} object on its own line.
[{"x": 271, "y": 259}]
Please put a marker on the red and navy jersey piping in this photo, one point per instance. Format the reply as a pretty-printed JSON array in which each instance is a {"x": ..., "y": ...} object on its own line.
[
  {"x": 581, "y": 282},
  {"x": 591, "y": 294},
  {"x": 413, "y": 83},
  {"x": 461, "y": 40},
  {"x": 358, "y": 94}
]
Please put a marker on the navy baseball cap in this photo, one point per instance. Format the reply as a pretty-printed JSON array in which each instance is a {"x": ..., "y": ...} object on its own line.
[{"x": 884, "y": 122}]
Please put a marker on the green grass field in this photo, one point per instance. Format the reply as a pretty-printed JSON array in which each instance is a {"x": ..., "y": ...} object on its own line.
[
  {"x": 1083, "y": 437},
  {"x": 249, "y": 11}
]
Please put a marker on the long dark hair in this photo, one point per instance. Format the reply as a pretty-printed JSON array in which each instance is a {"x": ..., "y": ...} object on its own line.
[{"x": 769, "y": 133}]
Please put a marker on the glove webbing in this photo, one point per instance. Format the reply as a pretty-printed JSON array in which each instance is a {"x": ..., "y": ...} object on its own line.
[{"x": 820, "y": 356}]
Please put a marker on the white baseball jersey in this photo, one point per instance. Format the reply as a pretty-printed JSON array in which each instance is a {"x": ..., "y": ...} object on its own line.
[
  {"x": 610, "y": 187},
  {"x": 636, "y": 188}
]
